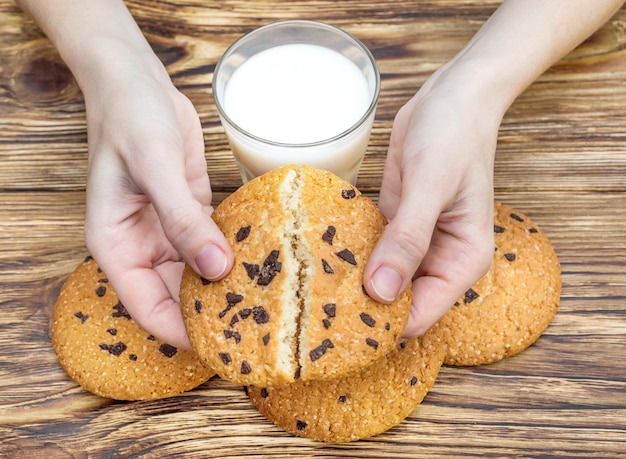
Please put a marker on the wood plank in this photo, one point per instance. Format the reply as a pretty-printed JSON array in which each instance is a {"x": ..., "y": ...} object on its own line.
[
  {"x": 563, "y": 392},
  {"x": 561, "y": 160},
  {"x": 580, "y": 100}
]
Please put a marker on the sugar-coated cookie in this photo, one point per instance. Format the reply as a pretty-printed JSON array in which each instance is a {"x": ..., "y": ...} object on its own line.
[
  {"x": 102, "y": 348},
  {"x": 359, "y": 406},
  {"x": 510, "y": 307},
  {"x": 293, "y": 305}
]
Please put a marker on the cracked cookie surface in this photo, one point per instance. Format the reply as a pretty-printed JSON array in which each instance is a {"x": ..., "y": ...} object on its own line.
[{"x": 301, "y": 237}]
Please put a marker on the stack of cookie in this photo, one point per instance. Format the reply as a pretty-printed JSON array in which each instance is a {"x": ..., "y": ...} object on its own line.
[{"x": 292, "y": 322}]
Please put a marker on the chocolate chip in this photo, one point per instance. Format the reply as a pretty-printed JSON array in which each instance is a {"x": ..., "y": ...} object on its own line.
[
  {"x": 517, "y": 218},
  {"x": 167, "y": 350},
  {"x": 251, "y": 269},
  {"x": 81, "y": 316},
  {"x": 327, "y": 268},
  {"x": 114, "y": 349},
  {"x": 233, "y": 320},
  {"x": 533, "y": 230},
  {"x": 231, "y": 300},
  {"x": 329, "y": 234},
  {"x": 205, "y": 281},
  {"x": 470, "y": 296},
  {"x": 346, "y": 255},
  {"x": 367, "y": 319},
  {"x": 132, "y": 357},
  {"x": 225, "y": 358},
  {"x": 510, "y": 256},
  {"x": 112, "y": 331},
  {"x": 403, "y": 345},
  {"x": 300, "y": 425},
  {"x": 320, "y": 350},
  {"x": 271, "y": 267},
  {"x": 264, "y": 393},
  {"x": 260, "y": 315},
  {"x": 266, "y": 339},
  {"x": 103, "y": 281},
  {"x": 245, "y": 368},
  {"x": 326, "y": 323},
  {"x": 101, "y": 291},
  {"x": 88, "y": 258},
  {"x": 371, "y": 342},
  {"x": 198, "y": 306},
  {"x": 330, "y": 309},
  {"x": 150, "y": 338},
  {"x": 387, "y": 326},
  {"x": 413, "y": 380},
  {"x": 456, "y": 303},
  {"x": 232, "y": 334},
  {"x": 243, "y": 233},
  {"x": 348, "y": 194},
  {"x": 498, "y": 229},
  {"x": 245, "y": 313},
  {"x": 120, "y": 311},
  {"x": 343, "y": 398}
]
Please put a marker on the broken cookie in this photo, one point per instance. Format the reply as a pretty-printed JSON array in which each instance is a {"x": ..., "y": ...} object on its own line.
[{"x": 293, "y": 305}]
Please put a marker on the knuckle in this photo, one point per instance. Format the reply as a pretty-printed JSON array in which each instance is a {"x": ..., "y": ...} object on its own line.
[{"x": 411, "y": 241}]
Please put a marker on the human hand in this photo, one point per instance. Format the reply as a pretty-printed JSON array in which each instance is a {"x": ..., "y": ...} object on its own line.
[
  {"x": 148, "y": 193},
  {"x": 437, "y": 193}
]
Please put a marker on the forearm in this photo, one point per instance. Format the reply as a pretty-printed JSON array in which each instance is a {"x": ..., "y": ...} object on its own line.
[
  {"x": 92, "y": 37},
  {"x": 522, "y": 39}
]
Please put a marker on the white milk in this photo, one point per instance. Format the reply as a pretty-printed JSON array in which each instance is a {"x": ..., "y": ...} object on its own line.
[{"x": 298, "y": 94}]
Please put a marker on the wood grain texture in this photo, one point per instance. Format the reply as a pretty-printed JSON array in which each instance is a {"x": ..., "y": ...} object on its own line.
[{"x": 561, "y": 160}]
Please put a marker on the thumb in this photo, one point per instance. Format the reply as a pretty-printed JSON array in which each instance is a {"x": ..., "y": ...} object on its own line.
[
  {"x": 399, "y": 251},
  {"x": 188, "y": 225}
]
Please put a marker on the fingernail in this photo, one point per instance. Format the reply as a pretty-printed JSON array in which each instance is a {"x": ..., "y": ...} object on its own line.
[
  {"x": 212, "y": 262},
  {"x": 386, "y": 282}
]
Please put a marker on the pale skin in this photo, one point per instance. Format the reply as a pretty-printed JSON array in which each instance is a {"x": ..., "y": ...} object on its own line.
[{"x": 149, "y": 195}]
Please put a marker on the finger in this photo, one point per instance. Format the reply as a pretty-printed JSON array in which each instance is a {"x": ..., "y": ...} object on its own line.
[
  {"x": 186, "y": 222},
  {"x": 453, "y": 264},
  {"x": 403, "y": 244},
  {"x": 149, "y": 302}
]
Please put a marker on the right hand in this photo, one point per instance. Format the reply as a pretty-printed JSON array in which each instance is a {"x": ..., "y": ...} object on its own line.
[
  {"x": 437, "y": 193},
  {"x": 148, "y": 193}
]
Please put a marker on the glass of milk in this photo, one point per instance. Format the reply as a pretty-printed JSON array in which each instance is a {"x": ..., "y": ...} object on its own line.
[{"x": 297, "y": 92}]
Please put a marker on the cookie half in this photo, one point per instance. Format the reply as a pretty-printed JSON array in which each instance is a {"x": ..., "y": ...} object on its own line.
[
  {"x": 293, "y": 305},
  {"x": 359, "y": 406},
  {"x": 104, "y": 350},
  {"x": 509, "y": 308}
]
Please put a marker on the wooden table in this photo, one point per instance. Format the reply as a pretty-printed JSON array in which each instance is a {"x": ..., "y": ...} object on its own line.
[{"x": 561, "y": 159}]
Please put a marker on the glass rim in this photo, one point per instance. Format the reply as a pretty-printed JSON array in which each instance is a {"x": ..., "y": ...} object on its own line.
[{"x": 351, "y": 38}]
